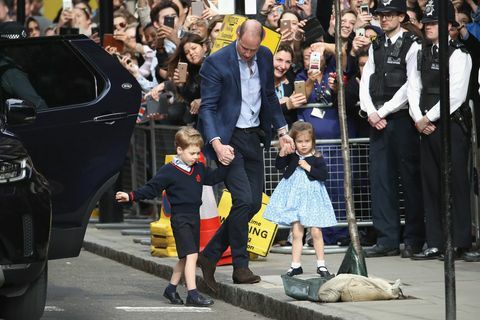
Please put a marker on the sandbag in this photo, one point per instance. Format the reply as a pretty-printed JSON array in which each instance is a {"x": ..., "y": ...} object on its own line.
[{"x": 351, "y": 287}]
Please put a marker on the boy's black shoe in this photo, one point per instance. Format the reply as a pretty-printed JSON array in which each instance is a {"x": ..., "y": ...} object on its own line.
[
  {"x": 323, "y": 272},
  {"x": 198, "y": 301},
  {"x": 173, "y": 297},
  {"x": 294, "y": 271}
]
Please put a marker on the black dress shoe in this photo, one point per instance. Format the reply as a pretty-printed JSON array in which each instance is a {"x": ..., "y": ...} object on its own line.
[
  {"x": 173, "y": 297},
  {"x": 208, "y": 270},
  {"x": 244, "y": 275},
  {"x": 323, "y": 272},
  {"x": 199, "y": 301},
  {"x": 427, "y": 254},
  {"x": 294, "y": 271},
  {"x": 472, "y": 256},
  {"x": 379, "y": 250},
  {"x": 457, "y": 254},
  {"x": 409, "y": 251}
]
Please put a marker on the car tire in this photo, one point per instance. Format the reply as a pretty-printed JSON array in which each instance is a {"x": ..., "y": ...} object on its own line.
[{"x": 30, "y": 305}]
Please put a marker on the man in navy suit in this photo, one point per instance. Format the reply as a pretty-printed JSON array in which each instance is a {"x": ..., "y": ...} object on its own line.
[{"x": 239, "y": 110}]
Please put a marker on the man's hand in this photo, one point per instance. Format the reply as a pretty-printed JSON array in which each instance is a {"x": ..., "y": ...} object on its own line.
[
  {"x": 425, "y": 126},
  {"x": 287, "y": 144},
  {"x": 377, "y": 122},
  {"x": 225, "y": 153}
]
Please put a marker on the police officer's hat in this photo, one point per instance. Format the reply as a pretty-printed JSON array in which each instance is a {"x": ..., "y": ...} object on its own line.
[
  {"x": 432, "y": 9},
  {"x": 391, "y": 6},
  {"x": 12, "y": 30}
]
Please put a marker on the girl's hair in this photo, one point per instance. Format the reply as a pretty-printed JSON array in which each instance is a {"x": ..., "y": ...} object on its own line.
[
  {"x": 302, "y": 127},
  {"x": 188, "y": 136},
  {"x": 179, "y": 54}
]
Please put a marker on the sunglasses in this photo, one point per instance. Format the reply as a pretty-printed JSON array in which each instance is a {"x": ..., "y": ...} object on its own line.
[{"x": 120, "y": 25}]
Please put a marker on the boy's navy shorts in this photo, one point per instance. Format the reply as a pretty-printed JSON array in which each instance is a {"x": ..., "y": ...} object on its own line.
[{"x": 186, "y": 230}]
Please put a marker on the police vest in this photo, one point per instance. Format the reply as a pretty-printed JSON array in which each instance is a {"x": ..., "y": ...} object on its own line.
[
  {"x": 390, "y": 67},
  {"x": 429, "y": 68}
]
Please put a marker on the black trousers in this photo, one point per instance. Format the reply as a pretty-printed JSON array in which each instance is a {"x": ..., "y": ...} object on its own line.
[
  {"x": 394, "y": 153},
  {"x": 460, "y": 191},
  {"x": 244, "y": 179}
]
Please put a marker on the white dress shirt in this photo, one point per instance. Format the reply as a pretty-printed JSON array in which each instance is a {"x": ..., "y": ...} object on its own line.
[
  {"x": 460, "y": 65},
  {"x": 400, "y": 98}
]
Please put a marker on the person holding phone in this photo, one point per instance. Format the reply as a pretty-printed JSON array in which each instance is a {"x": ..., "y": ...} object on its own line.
[
  {"x": 235, "y": 121},
  {"x": 165, "y": 19},
  {"x": 284, "y": 79},
  {"x": 193, "y": 51}
]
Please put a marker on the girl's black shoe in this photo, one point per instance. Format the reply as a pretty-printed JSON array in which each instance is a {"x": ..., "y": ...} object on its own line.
[
  {"x": 323, "y": 272},
  {"x": 294, "y": 271}
]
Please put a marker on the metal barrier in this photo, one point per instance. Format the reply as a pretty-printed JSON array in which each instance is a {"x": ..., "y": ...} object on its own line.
[
  {"x": 150, "y": 144},
  {"x": 331, "y": 151}
]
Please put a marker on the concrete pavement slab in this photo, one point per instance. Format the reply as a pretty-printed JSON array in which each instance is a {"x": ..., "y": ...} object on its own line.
[{"x": 422, "y": 283}]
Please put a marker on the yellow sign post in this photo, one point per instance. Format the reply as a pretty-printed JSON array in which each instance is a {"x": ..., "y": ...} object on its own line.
[
  {"x": 228, "y": 34},
  {"x": 261, "y": 232}
]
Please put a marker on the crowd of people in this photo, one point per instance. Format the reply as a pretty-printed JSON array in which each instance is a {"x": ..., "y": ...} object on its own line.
[{"x": 243, "y": 95}]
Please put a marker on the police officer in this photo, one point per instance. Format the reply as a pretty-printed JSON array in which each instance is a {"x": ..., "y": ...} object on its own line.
[
  {"x": 424, "y": 99},
  {"x": 394, "y": 142}
]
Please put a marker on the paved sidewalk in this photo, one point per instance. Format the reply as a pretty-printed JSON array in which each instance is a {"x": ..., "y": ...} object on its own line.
[{"x": 423, "y": 283}]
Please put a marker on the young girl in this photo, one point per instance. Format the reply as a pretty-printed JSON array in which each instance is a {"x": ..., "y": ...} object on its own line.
[
  {"x": 183, "y": 180},
  {"x": 301, "y": 199}
]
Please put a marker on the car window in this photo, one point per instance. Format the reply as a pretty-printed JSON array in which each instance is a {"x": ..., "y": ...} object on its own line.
[{"x": 56, "y": 71}]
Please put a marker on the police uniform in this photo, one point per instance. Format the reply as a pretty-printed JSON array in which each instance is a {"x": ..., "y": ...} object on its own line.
[
  {"x": 424, "y": 98},
  {"x": 394, "y": 150}
]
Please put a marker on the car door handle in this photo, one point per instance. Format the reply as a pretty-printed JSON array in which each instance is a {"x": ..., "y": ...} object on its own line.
[{"x": 110, "y": 118}]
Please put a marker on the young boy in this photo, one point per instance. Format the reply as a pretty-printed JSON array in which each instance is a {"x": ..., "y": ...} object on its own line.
[{"x": 183, "y": 180}]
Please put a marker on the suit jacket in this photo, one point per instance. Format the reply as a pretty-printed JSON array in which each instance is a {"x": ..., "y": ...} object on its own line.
[
  {"x": 222, "y": 97},
  {"x": 318, "y": 169}
]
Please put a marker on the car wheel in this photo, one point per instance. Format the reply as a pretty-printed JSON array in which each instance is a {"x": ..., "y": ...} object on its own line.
[{"x": 30, "y": 305}]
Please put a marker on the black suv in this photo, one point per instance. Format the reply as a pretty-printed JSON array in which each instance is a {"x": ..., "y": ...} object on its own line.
[{"x": 55, "y": 165}]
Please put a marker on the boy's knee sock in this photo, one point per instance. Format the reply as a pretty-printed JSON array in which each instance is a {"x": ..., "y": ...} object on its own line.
[
  {"x": 193, "y": 293},
  {"x": 171, "y": 288}
]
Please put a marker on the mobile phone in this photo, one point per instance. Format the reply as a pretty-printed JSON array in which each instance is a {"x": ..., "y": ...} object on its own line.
[
  {"x": 67, "y": 5},
  {"x": 169, "y": 21},
  {"x": 182, "y": 70},
  {"x": 364, "y": 9},
  {"x": 300, "y": 2},
  {"x": 280, "y": 1},
  {"x": 95, "y": 30},
  {"x": 300, "y": 87},
  {"x": 285, "y": 25},
  {"x": 315, "y": 58},
  {"x": 360, "y": 32},
  {"x": 110, "y": 41},
  {"x": 197, "y": 8}
]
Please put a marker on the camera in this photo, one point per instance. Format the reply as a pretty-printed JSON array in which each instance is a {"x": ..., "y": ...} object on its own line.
[{"x": 364, "y": 9}]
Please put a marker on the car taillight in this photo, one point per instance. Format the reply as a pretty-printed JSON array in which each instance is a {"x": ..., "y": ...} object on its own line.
[{"x": 14, "y": 170}]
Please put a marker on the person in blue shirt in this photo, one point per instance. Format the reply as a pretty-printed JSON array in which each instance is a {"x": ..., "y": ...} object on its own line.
[{"x": 182, "y": 179}]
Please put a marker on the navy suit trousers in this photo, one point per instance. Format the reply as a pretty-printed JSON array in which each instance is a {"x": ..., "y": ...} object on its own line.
[{"x": 244, "y": 180}]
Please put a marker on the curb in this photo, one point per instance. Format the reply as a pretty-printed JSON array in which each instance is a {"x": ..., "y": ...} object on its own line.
[{"x": 233, "y": 294}]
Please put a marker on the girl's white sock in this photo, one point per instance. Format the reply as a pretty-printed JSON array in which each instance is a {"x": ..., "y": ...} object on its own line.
[
  {"x": 320, "y": 263},
  {"x": 295, "y": 265}
]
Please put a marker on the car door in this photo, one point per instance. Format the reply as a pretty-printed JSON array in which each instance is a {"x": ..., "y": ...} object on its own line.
[{"x": 79, "y": 142}]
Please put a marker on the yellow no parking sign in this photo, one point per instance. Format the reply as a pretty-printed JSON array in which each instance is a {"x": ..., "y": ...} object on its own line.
[{"x": 261, "y": 232}]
